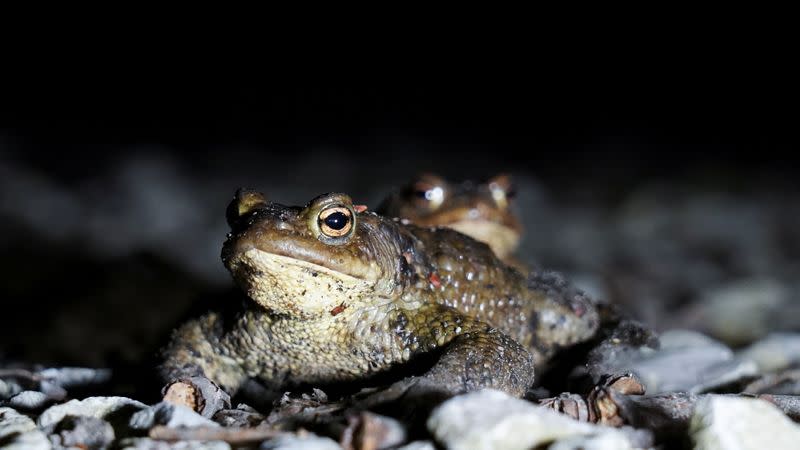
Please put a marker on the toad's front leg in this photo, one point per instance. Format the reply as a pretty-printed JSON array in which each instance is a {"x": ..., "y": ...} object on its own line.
[
  {"x": 196, "y": 369},
  {"x": 473, "y": 354}
]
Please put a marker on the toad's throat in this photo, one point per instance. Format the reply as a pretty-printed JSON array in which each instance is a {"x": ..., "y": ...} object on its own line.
[
  {"x": 296, "y": 287},
  {"x": 500, "y": 237}
]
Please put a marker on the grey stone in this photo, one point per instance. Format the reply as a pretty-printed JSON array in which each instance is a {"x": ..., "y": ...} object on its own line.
[
  {"x": 214, "y": 397},
  {"x": 744, "y": 310},
  {"x": 686, "y": 361},
  {"x": 738, "y": 423},
  {"x": 242, "y": 416},
  {"x": 9, "y": 388},
  {"x": 418, "y": 445},
  {"x": 121, "y": 408},
  {"x": 603, "y": 441},
  {"x": 28, "y": 400},
  {"x": 152, "y": 444},
  {"x": 18, "y": 432},
  {"x": 83, "y": 432},
  {"x": 775, "y": 352},
  {"x": 170, "y": 415},
  {"x": 305, "y": 441},
  {"x": 784, "y": 382},
  {"x": 492, "y": 419},
  {"x": 75, "y": 376},
  {"x": 375, "y": 431}
]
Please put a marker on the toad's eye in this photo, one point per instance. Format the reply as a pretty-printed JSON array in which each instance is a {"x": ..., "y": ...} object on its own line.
[
  {"x": 502, "y": 190},
  {"x": 335, "y": 221},
  {"x": 430, "y": 195}
]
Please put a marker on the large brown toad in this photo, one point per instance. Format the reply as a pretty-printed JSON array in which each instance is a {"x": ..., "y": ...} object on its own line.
[{"x": 339, "y": 294}]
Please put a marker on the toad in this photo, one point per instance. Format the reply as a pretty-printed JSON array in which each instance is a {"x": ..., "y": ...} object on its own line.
[
  {"x": 339, "y": 294},
  {"x": 481, "y": 210}
]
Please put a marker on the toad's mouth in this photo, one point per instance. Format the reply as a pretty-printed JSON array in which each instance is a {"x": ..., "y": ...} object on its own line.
[{"x": 264, "y": 263}]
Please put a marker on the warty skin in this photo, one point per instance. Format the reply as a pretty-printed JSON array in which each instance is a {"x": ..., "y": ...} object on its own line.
[{"x": 333, "y": 304}]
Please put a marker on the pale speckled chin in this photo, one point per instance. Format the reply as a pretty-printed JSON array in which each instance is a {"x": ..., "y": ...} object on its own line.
[
  {"x": 502, "y": 239},
  {"x": 295, "y": 287}
]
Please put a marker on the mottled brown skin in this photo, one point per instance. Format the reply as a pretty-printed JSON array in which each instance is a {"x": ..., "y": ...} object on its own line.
[
  {"x": 329, "y": 308},
  {"x": 481, "y": 210}
]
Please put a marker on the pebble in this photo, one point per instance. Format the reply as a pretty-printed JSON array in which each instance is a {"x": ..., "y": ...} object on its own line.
[
  {"x": 777, "y": 351},
  {"x": 18, "y": 432},
  {"x": 152, "y": 444},
  {"x": 744, "y": 310},
  {"x": 82, "y": 432},
  {"x": 418, "y": 445},
  {"x": 100, "y": 407},
  {"x": 28, "y": 400},
  {"x": 170, "y": 415},
  {"x": 604, "y": 441},
  {"x": 736, "y": 423},
  {"x": 75, "y": 376},
  {"x": 686, "y": 361},
  {"x": 9, "y": 388},
  {"x": 491, "y": 419},
  {"x": 306, "y": 441}
]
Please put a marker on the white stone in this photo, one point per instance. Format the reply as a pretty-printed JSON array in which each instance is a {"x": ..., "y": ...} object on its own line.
[
  {"x": 737, "y": 423},
  {"x": 28, "y": 400},
  {"x": 170, "y": 415},
  {"x": 603, "y": 441},
  {"x": 491, "y": 419},
  {"x": 98, "y": 407},
  {"x": 302, "y": 442},
  {"x": 418, "y": 445},
  {"x": 775, "y": 352},
  {"x": 25, "y": 434},
  {"x": 152, "y": 444}
]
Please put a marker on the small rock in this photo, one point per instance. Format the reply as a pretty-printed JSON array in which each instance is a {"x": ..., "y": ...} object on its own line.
[
  {"x": 153, "y": 444},
  {"x": 786, "y": 382},
  {"x": 775, "y": 352},
  {"x": 170, "y": 415},
  {"x": 686, "y": 361},
  {"x": 306, "y": 441},
  {"x": 370, "y": 431},
  {"x": 8, "y": 389},
  {"x": 84, "y": 432},
  {"x": 121, "y": 408},
  {"x": 418, "y": 445},
  {"x": 789, "y": 404},
  {"x": 242, "y": 416},
  {"x": 187, "y": 391},
  {"x": 744, "y": 310},
  {"x": 28, "y": 400},
  {"x": 604, "y": 441},
  {"x": 493, "y": 419},
  {"x": 69, "y": 377},
  {"x": 18, "y": 432},
  {"x": 735, "y": 423}
]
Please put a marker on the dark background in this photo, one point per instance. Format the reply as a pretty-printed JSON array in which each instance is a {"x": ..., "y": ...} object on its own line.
[{"x": 113, "y": 191}]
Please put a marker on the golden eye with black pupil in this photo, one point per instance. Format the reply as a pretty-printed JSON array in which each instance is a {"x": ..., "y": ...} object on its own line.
[{"x": 335, "y": 221}]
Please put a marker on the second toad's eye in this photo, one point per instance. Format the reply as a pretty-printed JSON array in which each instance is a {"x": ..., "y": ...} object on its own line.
[
  {"x": 502, "y": 190},
  {"x": 335, "y": 221},
  {"x": 430, "y": 195}
]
